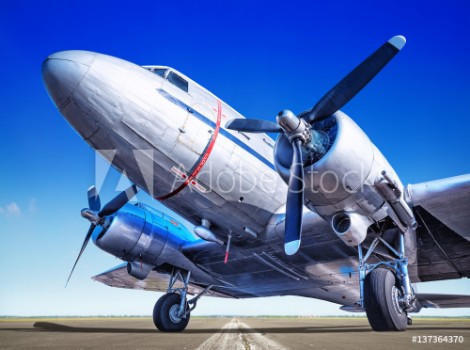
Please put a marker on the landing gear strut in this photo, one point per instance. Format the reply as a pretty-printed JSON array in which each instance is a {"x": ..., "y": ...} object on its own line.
[
  {"x": 386, "y": 293},
  {"x": 172, "y": 311}
]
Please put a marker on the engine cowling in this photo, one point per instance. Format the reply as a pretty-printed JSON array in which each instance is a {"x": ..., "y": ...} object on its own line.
[
  {"x": 146, "y": 239},
  {"x": 339, "y": 172},
  {"x": 133, "y": 233},
  {"x": 341, "y": 179}
]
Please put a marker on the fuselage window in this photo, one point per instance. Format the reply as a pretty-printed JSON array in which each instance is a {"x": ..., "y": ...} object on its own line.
[
  {"x": 176, "y": 80},
  {"x": 160, "y": 71}
]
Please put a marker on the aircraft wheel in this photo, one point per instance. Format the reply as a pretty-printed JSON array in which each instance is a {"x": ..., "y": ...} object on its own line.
[
  {"x": 165, "y": 314},
  {"x": 382, "y": 292}
]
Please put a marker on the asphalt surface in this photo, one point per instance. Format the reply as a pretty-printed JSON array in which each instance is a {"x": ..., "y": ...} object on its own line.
[{"x": 230, "y": 333}]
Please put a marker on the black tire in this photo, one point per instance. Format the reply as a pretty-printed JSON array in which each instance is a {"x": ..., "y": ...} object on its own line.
[
  {"x": 164, "y": 316},
  {"x": 381, "y": 289}
]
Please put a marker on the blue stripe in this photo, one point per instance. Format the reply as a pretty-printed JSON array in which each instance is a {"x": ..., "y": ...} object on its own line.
[{"x": 210, "y": 123}]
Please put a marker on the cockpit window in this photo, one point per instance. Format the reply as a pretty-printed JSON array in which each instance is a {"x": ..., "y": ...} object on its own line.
[
  {"x": 160, "y": 71},
  {"x": 176, "y": 80}
]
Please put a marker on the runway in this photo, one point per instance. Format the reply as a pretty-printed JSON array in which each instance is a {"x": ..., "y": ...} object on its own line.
[{"x": 228, "y": 333}]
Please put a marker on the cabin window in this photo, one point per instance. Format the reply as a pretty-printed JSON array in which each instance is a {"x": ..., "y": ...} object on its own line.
[{"x": 176, "y": 80}]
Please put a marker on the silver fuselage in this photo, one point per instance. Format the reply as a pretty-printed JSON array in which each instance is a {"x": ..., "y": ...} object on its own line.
[{"x": 159, "y": 136}]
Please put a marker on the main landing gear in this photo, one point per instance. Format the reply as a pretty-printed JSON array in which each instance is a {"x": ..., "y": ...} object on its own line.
[
  {"x": 172, "y": 311},
  {"x": 386, "y": 293},
  {"x": 167, "y": 316}
]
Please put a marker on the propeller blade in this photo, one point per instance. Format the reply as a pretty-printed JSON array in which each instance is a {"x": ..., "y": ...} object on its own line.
[
  {"x": 85, "y": 242},
  {"x": 253, "y": 125},
  {"x": 94, "y": 202},
  {"x": 355, "y": 81},
  {"x": 295, "y": 202},
  {"x": 118, "y": 202}
]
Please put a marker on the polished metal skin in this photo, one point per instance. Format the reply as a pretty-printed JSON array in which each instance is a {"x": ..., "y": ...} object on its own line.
[
  {"x": 117, "y": 105},
  {"x": 173, "y": 144}
]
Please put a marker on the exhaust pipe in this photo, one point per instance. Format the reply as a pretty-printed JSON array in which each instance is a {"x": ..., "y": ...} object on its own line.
[{"x": 351, "y": 227}]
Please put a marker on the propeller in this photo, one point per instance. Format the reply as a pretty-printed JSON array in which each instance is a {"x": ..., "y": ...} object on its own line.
[
  {"x": 295, "y": 201},
  {"x": 253, "y": 125},
  {"x": 300, "y": 133},
  {"x": 356, "y": 80},
  {"x": 95, "y": 214}
]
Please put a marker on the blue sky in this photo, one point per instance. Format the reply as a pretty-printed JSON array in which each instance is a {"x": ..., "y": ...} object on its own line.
[{"x": 258, "y": 56}]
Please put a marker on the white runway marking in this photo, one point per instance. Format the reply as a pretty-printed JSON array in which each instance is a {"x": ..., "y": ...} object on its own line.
[{"x": 234, "y": 336}]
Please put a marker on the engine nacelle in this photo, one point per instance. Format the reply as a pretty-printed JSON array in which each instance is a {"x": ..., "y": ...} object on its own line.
[
  {"x": 342, "y": 179},
  {"x": 133, "y": 233},
  {"x": 341, "y": 171},
  {"x": 147, "y": 238}
]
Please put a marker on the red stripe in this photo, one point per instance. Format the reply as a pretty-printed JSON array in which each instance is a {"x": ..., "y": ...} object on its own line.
[{"x": 204, "y": 158}]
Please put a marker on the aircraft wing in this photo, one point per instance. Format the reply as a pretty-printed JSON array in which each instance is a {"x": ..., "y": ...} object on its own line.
[
  {"x": 448, "y": 200},
  {"x": 443, "y": 301},
  {"x": 156, "y": 282},
  {"x": 442, "y": 209},
  {"x": 328, "y": 272}
]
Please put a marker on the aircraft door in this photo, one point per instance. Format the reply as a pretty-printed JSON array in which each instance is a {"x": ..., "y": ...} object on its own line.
[
  {"x": 194, "y": 132},
  {"x": 188, "y": 121}
]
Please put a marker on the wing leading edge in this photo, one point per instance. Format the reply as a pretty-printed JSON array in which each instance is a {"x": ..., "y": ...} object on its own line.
[
  {"x": 443, "y": 235},
  {"x": 443, "y": 301},
  {"x": 448, "y": 200},
  {"x": 118, "y": 277}
]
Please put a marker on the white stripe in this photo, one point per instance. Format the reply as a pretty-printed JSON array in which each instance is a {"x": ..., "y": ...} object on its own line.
[{"x": 234, "y": 336}]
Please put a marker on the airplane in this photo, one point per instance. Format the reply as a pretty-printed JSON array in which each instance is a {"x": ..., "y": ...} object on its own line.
[{"x": 318, "y": 212}]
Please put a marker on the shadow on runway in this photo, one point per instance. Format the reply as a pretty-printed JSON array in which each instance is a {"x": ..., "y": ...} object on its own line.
[{"x": 57, "y": 327}]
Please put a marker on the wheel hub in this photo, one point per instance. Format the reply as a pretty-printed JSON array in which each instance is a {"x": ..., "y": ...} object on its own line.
[
  {"x": 396, "y": 297},
  {"x": 174, "y": 314}
]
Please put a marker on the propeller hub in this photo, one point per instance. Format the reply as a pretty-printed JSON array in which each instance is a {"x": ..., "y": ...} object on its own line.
[
  {"x": 287, "y": 121},
  {"x": 90, "y": 215},
  {"x": 294, "y": 127}
]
